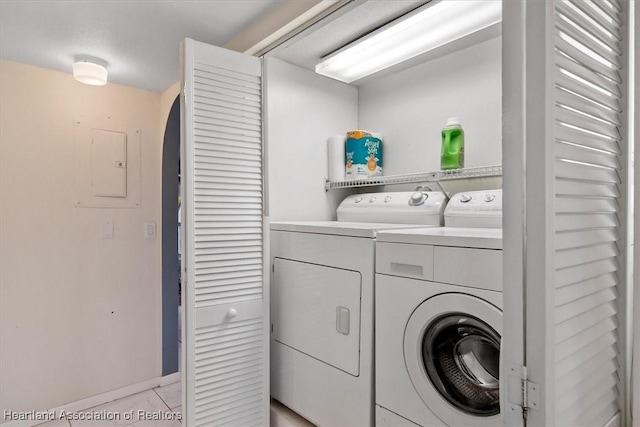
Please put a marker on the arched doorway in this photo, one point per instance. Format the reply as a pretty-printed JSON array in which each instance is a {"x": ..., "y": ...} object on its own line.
[{"x": 170, "y": 257}]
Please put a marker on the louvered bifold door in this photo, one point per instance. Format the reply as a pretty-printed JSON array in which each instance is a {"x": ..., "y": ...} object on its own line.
[
  {"x": 574, "y": 125},
  {"x": 225, "y": 358},
  {"x": 590, "y": 154}
]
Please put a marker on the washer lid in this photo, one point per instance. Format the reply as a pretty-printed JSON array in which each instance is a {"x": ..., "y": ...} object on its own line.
[
  {"x": 482, "y": 238},
  {"x": 339, "y": 228}
]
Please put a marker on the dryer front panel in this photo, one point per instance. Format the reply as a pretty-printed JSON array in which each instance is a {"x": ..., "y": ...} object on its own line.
[
  {"x": 452, "y": 355},
  {"x": 315, "y": 309}
]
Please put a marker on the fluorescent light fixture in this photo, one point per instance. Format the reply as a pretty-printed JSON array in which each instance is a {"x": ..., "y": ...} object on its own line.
[
  {"x": 89, "y": 70},
  {"x": 438, "y": 23}
]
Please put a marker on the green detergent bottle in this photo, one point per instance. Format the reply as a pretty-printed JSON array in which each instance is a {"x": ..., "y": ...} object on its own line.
[{"x": 452, "y": 156}]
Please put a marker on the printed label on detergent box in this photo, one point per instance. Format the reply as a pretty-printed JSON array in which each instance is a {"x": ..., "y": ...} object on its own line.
[{"x": 363, "y": 155}]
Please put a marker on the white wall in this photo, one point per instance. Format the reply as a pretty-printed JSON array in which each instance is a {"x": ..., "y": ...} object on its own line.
[
  {"x": 410, "y": 109},
  {"x": 80, "y": 315},
  {"x": 303, "y": 110}
]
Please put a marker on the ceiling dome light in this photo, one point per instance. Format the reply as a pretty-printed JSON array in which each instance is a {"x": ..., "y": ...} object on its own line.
[{"x": 91, "y": 71}]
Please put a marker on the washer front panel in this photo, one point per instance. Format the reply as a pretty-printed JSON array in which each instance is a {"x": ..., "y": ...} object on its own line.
[
  {"x": 335, "y": 397},
  {"x": 451, "y": 351}
]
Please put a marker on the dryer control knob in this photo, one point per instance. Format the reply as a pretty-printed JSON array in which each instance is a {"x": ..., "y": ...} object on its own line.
[
  {"x": 418, "y": 198},
  {"x": 387, "y": 199},
  {"x": 465, "y": 198},
  {"x": 372, "y": 199},
  {"x": 358, "y": 199},
  {"x": 489, "y": 197}
]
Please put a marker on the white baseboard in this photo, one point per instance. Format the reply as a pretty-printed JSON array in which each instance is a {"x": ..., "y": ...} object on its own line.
[
  {"x": 615, "y": 421},
  {"x": 170, "y": 379},
  {"x": 100, "y": 399}
]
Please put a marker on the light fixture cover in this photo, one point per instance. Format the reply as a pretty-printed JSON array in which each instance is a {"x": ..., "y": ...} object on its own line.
[
  {"x": 92, "y": 71},
  {"x": 438, "y": 23}
]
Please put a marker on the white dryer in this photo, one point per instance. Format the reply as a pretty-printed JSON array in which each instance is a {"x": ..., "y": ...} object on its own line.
[
  {"x": 322, "y": 301},
  {"x": 439, "y": 318}
]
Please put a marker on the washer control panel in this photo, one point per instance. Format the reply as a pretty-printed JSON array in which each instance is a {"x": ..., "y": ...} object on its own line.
[
  {"x": 477, "y": 209},
  {"x": 418, "y": 207}
]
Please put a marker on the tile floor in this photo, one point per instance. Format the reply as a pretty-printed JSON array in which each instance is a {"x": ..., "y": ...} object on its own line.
[
  {"x": 160, "y": 400},
  {"x": 281, "y": 416},
  {"x": 166, "y": 400}
]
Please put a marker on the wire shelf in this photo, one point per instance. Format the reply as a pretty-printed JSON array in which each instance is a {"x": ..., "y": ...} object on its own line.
[{"x": 436, "y": 176}]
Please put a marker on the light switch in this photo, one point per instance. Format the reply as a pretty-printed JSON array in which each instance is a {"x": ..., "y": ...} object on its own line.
[
  {"x": 107, "y": 230},
  {"x": 149, "y": 230},
  {"x": 342, "y": 320}
]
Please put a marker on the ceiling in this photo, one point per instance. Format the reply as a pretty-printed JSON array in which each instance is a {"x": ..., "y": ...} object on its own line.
[{"x": 138, "y": 39}]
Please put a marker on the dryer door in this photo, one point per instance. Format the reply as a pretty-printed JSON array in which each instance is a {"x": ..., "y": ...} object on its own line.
[
  {"x": 316, "y": 311},
  {"x": 452, "y": 355}
]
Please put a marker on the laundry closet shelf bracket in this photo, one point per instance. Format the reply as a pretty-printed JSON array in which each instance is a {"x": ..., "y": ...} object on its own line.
[{"x": 415, "y": 178}]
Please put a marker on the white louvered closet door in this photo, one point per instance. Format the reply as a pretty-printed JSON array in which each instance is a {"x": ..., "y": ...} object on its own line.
[
  {"x": 569, "y": 209},
  {"x": 225, "y": 331}
]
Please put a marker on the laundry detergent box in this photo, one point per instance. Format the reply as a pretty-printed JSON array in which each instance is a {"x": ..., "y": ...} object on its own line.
[{"x": 363, "y": 155}]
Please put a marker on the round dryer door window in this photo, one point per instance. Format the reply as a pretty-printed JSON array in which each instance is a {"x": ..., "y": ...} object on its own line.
[{"x": 452, "y": 354}]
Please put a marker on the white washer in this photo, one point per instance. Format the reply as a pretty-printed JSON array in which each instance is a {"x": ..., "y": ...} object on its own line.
[
  {"x": 439, "y": 318},
  {"x": 322, "y": 291}
]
